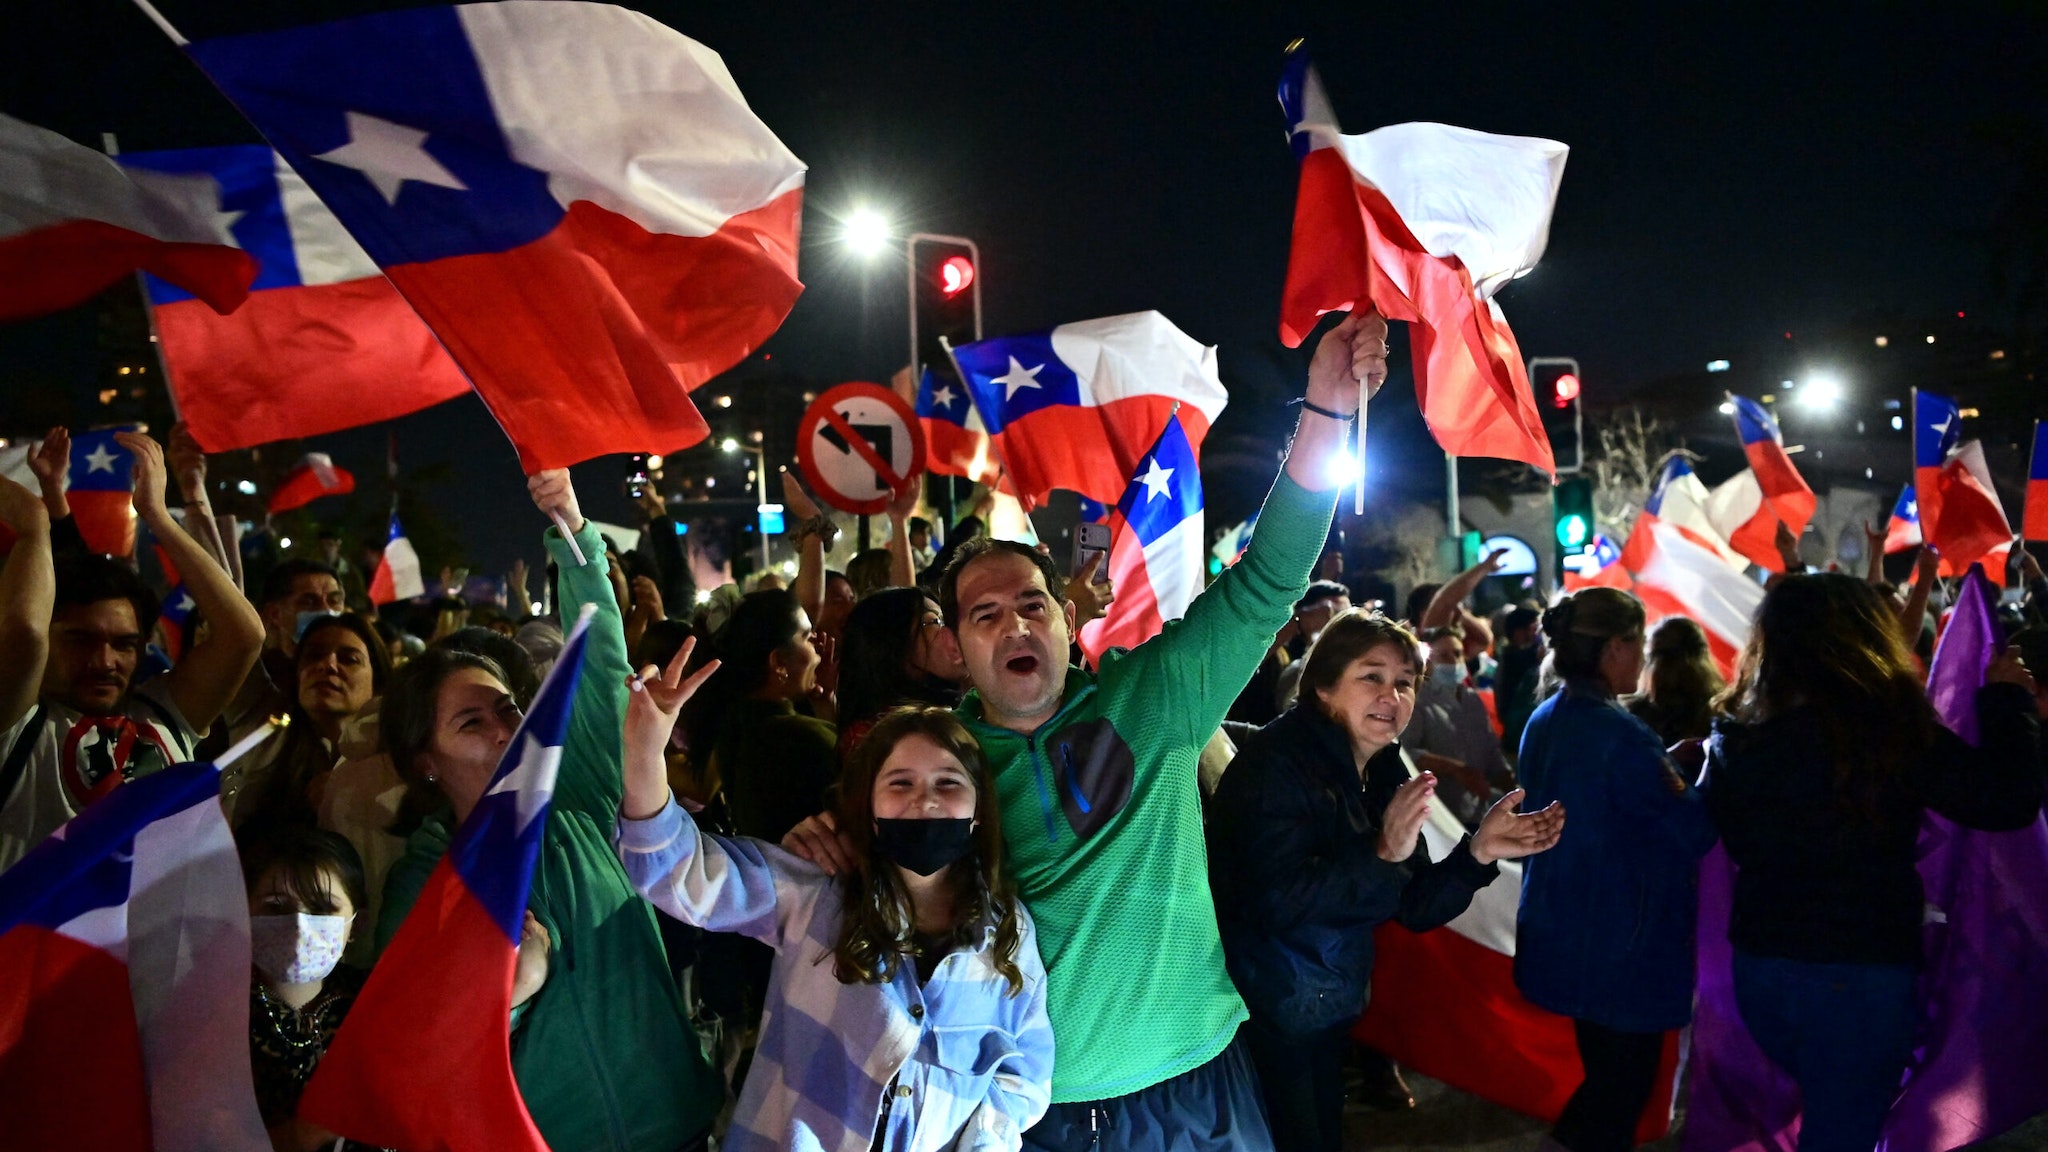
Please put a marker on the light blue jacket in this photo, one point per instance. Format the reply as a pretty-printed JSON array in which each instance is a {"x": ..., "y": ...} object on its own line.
[{"x": 959, "y": 1063}]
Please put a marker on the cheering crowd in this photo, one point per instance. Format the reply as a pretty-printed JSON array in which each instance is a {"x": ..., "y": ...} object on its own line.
[{"x": 871, "y": 862}]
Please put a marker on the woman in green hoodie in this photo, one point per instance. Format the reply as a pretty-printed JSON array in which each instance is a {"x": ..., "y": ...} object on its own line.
[{"x": 601, "y": 1045}]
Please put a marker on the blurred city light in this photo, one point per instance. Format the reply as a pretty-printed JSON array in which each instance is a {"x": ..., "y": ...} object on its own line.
[{"x": 866, "y": 232}]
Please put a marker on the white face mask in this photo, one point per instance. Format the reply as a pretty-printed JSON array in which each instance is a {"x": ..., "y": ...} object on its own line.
[
  {"x": 297, "y": 947},
  {"x": 1447, "y": 673}
]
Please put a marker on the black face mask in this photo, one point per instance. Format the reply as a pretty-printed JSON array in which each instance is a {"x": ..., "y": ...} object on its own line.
[{"x": 924, "y": 846}]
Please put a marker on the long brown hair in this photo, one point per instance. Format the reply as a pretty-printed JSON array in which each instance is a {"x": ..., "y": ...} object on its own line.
[
  {"x": 876, "y": 933},
  {"x": 1830, "y": 643},
  {"x": 1683, "y": 680}
]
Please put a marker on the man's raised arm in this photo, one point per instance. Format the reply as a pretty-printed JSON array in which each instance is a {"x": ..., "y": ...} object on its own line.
[
  {"x": 28, "y": 592},
  {"x": 208, "y": 676}
]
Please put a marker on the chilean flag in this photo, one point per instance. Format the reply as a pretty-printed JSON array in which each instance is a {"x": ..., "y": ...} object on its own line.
[
  {"x": 424, "y": 1059},
  {"x": 1424, "y": 222},
  {"x": 1903, "y": 530},
  {"x": 398, "y": 571},
  {"x": 1155, "y": 551},
  {"x": 576, "y": 199},
  {"x": 1680, "y": 500},
  {"x": 324, "y": 341},
  {"x": 314, "y": 476},
  {"x": 1972, "y": 528},
  {"x": 101, "y": 490},
  {"x": 1444, "y": 1002},
  {"x": 1081, "y": 405},
  {"x": 1790, "y": 500},
  {"x": 72, "y": 223},
  {"x": 1742, "y": 515},
  {"x": 1937, "y": 430},
  {"x": 1681, "y": 578},
  {"x": 177, "y": 620},
  {"x": 124, "y": 978},
  {"x": 956, "y": 442},
  {"x": 2035, "y": 524},
  {"x": 1605, "y": 569}
]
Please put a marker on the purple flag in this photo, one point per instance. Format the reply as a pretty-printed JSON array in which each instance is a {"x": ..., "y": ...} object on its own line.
[{"x": 1983, "y": 993}]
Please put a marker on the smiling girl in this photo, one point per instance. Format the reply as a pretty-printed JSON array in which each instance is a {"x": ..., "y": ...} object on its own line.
[{"x": 906, "y": 1007}]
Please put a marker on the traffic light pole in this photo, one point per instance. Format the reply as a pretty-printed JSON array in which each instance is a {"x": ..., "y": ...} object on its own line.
[{"x": 916, "y": 359}]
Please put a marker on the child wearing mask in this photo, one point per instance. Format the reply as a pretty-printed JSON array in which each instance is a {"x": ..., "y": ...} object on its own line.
[
  {"x": 906, "y": 1007},
  {"x": 305, "y": 886}
]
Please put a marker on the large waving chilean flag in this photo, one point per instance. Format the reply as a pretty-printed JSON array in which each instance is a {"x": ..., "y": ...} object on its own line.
[
  {"x": 1960, "y": 515},
  {"x": 1079, "y": 406},
  {"x": 425, "y": 1058},
  {"x": 72, "y": 224},
  {"x": 324, "y": 341},
  {"x": 1155, "y": 552},
  {"x": 576, "y": 199},
  {"x": 956, "y": 442},
  {"x": 1424, "y": 222},
  {"x": 124, "y": 979},
  {"x": 1680, "y": 500}
]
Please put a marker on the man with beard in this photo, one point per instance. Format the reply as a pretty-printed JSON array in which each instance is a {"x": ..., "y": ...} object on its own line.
[
  {"x": 1097, "y": 781},
  {"x": 70, "y": 638}
]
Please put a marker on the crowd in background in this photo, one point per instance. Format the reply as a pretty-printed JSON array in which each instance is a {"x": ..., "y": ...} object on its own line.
[{"x": 865, "y": 859}]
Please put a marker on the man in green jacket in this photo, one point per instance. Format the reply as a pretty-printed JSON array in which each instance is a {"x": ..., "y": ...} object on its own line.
[
  {"x": 603, "y": 1052},
  {"x": 1101, "y": 813}
]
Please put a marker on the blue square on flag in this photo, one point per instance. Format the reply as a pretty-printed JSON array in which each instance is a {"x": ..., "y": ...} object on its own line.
[
  {"x": 1167, "y": 488},
  {"x": 100, "y": 464},
  {"x": 250, "y": 205},
  {"x": 1015, "y": 376}
]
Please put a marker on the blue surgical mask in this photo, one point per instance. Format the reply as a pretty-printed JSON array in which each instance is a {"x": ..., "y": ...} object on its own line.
[
  {"x": 1447, "y": 673},
  {"x": 305, "y": 620}
]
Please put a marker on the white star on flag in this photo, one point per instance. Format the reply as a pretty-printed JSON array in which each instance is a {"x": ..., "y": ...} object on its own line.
[
  {"x": 184, "y": 603},
  {"x": 945, "y": 396},
  {"x": 532, "y": 780},
  {"x": 1018, "y": 377},
  {"x": 1155, "y": 481},
  {"x": 99, "y": 459},
  {"x": 389, "y": 155}
]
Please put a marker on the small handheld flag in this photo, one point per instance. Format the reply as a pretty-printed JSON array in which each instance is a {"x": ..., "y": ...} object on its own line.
[
  {"x": 1155, "y": 552},
  {"x": 2035, "y": 524},
  {"x": 424, "y": 1059}
]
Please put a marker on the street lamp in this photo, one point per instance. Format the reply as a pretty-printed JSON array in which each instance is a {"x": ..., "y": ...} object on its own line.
[
  {"x": 1820, "y": 393},
  {"x": 866, "y": 232},
  {"x": 730, "y": 447}
]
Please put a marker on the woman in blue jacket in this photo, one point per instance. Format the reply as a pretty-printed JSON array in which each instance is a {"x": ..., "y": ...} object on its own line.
[
  {"x": 1605, "y": 934},
  {"x": 1316, "y": 840}
]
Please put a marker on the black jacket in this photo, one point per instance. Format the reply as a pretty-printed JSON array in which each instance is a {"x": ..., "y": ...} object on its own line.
[
  {"x": 1825, "y": 882},
  {"x": 1297, "y": 877}
]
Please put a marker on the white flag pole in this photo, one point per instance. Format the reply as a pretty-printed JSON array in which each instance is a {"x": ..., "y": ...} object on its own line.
[
  {"x": 1358, "y": 490},
  {"x": 150, "y": 11}
]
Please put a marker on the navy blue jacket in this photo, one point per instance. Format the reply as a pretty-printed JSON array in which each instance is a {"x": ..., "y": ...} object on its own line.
[
  {"x": 1295, "y": 869},
  {"x": 1829, "y": 882},
  {"x": 1607, "y": 920}
]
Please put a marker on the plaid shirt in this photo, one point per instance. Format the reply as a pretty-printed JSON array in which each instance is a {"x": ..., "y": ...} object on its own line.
[{"x": 956, "y": 1063}]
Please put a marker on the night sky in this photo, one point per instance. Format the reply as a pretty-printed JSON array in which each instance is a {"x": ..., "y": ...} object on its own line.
[{"x": 1734, "y": 173}]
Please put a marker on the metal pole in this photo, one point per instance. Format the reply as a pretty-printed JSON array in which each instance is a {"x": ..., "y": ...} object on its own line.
[
  {"x": 1452, "y": 521},
  {"x": 761, "y": 475}
]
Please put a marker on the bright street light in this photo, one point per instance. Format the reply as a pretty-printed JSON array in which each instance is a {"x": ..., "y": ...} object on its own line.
[
  {"x": 866, "y": 232},
  {"x": 1821, "y": 392},
  {"x": 728, "y": 445}
]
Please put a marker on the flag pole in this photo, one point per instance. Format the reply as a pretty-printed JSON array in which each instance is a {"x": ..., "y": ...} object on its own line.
[
  {"x": 1358, "y": 489},
  {"x": 157, "y": 17},
  {"x": 272, "y": 727}
]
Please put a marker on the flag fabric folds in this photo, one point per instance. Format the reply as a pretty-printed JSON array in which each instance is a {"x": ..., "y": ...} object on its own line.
[
  {"x": 1425, "y": 223},
  {"x": 72, "y": 223},
  {"x": 424, "y": 1059},
  {"x": 315, "y": 475},
  {"x": 1444, "y": 1002},
  {"x": 1604, "y": 569},
  {"x": 398, "y": 570},
  {"x": 1971, "y": 527},
  {"x": 1155, "y": 551},
  {"x": 956, "y": 442},
  {"x": 324, "y": 341},
  {"x": 1784, "y": 490},
  {"x": 1079, "y": 406},
  {"x": 1742, "y": 516},
  {"x": 1680, "y": 500},
  {"x": 2035, "y": 522},
  {"x": 1902, "y": 531},
  {"x": 1681, "y": 578},
  {"x": 576, "y": 199},
  {"x": 124, "y": 978},
  {"x": 101, "y": 491}
]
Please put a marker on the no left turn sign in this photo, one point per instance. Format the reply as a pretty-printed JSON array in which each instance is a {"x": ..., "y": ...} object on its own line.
[{"x": 858, "y": 444}]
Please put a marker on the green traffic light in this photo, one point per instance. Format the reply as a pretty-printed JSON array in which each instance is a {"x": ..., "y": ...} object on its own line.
[{"x": 1572, "y": 531}]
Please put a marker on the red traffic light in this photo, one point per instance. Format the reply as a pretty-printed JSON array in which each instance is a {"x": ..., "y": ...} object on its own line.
[
  {"x": 1564, "y": 390},
  {"x": 955, "y": 274}
]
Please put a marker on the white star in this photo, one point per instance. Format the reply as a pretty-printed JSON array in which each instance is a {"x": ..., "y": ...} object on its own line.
[
  {"x": 532, "y": 781},
  {"x": 1941, "y": 429},
  {"x": 1155, "y": 481},
  {"x": 945, "y": 396},
  {"x": 389, "y": 154},
  {"x": 99, "y": 459},
  {"x": 184, "y": 603},
  {"x": 1018, "y": 377}
]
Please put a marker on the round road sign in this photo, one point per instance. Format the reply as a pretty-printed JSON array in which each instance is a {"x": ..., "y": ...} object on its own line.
[{"x": 857, "y": 445}]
